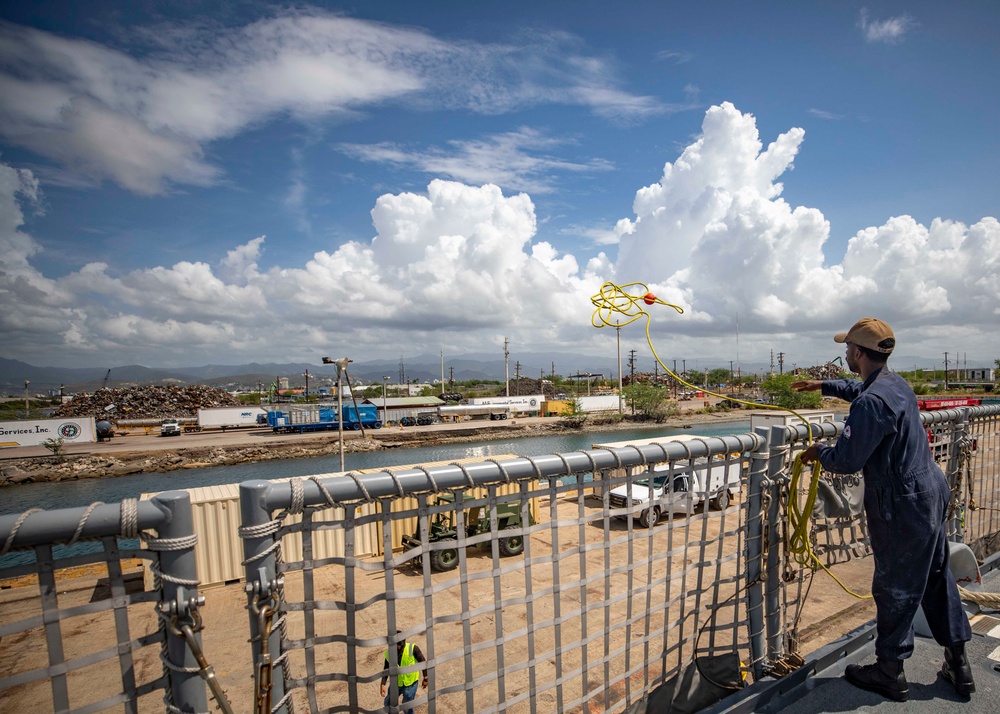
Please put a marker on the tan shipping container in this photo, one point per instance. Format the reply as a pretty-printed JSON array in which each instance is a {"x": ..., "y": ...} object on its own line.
[{"x": 219, "y": 551}]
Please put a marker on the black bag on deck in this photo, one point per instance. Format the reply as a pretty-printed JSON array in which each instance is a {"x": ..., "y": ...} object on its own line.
[{"x": 701, "y": 684}]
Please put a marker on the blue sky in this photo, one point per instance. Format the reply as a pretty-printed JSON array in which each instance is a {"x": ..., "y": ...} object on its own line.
[{"x": 190, "y": 185}]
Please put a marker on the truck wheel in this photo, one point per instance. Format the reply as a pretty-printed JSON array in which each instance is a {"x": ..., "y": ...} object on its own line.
[
  {"x": 512, "y": 545},
  {"x": 444, "y": 560},
  {"x": 377, "y": 425},
  {"x": 503, "y": 416},
  {"x": 649, "y": 517},
  {"x": 721, "y": 502}
]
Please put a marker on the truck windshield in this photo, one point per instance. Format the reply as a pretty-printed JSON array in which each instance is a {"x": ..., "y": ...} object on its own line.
[{"x": 658, "y": 482}]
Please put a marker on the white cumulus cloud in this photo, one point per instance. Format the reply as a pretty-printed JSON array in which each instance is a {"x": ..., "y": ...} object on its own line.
[{"x": 458, "y": 267}]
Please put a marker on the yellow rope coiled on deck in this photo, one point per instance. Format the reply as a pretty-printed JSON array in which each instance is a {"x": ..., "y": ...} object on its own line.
[{"x": 613, "y": 300}]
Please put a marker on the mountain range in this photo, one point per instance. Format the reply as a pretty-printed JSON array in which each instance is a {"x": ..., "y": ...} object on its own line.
[{"x": 422, "y": 368}]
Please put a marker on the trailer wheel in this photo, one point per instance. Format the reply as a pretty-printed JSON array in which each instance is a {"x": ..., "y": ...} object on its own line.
[
  {"x": 377, "y": 425},
  {"x": 513, "y": 544},
  {"x": 721, "y": 502},
  {"x": 444, "y": 560}
]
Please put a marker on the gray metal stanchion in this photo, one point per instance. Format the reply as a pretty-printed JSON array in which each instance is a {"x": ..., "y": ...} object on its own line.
[
  {"x": 180, "y": 601},
  {"x": 960, "y": 427},
  {"x": 777, "y": 446},
  {"x": 755, "y": 553},
  {"x": 258, "y": 532}
]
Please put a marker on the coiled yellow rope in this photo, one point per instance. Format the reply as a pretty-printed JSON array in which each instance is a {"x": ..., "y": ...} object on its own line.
[{"x": 624, "y": 300}]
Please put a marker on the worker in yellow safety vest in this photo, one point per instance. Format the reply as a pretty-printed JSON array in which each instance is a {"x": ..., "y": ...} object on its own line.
[{"x": 407, "y": 655}]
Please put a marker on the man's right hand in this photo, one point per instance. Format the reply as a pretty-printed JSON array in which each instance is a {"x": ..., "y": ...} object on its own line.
[{"x": 808, "y": 385}]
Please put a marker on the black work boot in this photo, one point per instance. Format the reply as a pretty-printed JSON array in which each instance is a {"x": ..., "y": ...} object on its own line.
[
  {"x": 885, "y": 677},
  {"x": 957, "y": 670}
]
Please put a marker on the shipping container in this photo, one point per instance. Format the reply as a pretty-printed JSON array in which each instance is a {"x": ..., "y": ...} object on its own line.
[
  {"x": 229, "y": 417},
  {"x": 219, "y": 551},
  {"x": 34, "y": 432}
]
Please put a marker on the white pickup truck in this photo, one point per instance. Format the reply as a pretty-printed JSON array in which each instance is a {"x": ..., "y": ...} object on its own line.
[
  {"x": 170, "y": 427},
  {"x": 687, "y": 489}
]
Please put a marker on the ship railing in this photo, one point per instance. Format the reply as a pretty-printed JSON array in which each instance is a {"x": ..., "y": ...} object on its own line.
[
  {"x": 71, "y": 635},
  {"x": 595, "y": 613}
]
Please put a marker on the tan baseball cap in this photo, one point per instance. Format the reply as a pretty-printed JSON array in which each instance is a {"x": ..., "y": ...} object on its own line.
[{"x": 869, "y": 332}]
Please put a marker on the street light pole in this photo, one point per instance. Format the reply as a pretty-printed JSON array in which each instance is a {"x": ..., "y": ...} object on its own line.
[
  {"x": 26, "y": 383},
  {"x": 341, "y": 368},
  {"x": 340, "y": 413}
]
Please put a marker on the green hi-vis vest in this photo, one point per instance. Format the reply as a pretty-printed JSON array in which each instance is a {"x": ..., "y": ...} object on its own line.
[{"x": 405, "y": 680}]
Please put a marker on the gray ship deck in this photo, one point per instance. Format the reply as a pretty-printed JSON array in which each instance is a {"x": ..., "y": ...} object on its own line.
[{"x": 820, "y": 686}]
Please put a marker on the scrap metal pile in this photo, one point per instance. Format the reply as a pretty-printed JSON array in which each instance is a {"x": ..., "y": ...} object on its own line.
[
  {"x": 151, "y": 402},
  {"x": 527, "y": 385},
  {"x": 830, "y": 370}
]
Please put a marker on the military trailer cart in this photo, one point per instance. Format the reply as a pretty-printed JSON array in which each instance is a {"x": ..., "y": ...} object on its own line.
[{"x": 477, "y": 522}]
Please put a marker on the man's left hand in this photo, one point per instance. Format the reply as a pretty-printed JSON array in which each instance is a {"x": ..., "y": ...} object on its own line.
[{"x": 809, "y": 455}]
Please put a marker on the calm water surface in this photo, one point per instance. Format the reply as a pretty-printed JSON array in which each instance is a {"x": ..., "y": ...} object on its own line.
[{"x": 71, "y": 494}]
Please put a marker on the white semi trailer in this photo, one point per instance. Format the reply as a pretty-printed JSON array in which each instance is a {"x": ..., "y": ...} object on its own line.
[{"x": 230, "y": 417}]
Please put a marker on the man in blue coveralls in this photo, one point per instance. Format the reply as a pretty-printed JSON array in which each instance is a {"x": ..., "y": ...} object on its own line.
[{"x": 906, "y": 505}]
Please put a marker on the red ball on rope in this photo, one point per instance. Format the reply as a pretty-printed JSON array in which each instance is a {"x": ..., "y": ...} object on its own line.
[{"x": 649, "y": 298}]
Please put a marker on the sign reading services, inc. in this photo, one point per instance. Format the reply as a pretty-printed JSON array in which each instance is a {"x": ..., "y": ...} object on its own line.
[{"x": 34, "y": 432}]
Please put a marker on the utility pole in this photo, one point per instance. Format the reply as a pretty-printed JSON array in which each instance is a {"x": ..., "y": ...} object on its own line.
[
  {"x": 402, "y": 372},
  {"x": 945, "y": 376},
  {"x": 517, "y": 378},
  {"x": 631, "y": 363},
  {"x": 732, "y": 386},
  {"x": 306, "y": 375},
  {"x": 618, "y": 330},
  {"x": 781, "y": 363},
  {"x": 26, "y": 383},
  {"x": 506, "y": 364}
]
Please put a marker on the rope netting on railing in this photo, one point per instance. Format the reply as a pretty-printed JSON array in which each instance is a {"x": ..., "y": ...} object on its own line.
[{"x": 529, "y": 593}]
